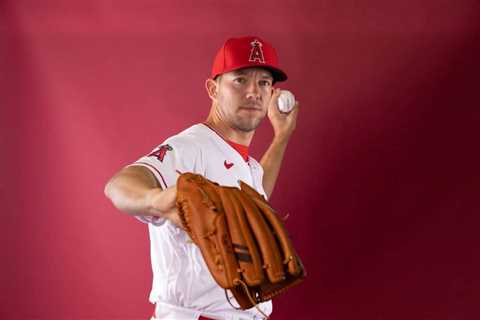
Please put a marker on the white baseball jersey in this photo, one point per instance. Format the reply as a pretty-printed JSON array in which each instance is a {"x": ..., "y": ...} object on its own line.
[{"x": 183, "y": 287}]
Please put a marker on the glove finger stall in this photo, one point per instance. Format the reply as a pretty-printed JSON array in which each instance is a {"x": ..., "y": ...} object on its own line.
[
  {"x": 269, "y": 250},
  {"x": 244, "y": 245},
  {"x": 290, "y": 257}
]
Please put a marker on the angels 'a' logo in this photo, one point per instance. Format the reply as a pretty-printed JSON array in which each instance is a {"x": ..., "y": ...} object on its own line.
[
  {"x": 160, "y": 152},
  {"x": 256, "y": 54}
]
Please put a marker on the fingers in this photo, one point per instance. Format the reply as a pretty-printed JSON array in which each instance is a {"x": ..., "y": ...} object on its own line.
[
  {"x": 295, "y": 108},
  {"x": 277, "y": 92}
]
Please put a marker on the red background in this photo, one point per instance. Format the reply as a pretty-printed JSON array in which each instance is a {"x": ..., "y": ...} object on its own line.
[{"x": 381, "y": 178}]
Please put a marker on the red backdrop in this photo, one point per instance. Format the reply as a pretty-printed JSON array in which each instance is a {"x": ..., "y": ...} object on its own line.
[{"x": 381, "y": 178}]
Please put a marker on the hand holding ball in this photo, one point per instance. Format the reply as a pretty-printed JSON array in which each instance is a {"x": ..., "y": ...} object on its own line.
[{"x": 286, "y": 101}]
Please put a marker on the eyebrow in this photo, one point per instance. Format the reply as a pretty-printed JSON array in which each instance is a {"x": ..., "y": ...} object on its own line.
[{"x": 242, "y": 72}]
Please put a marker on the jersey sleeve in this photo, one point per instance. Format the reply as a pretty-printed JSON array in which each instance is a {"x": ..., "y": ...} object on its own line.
[{"x": 167, "y": 161}]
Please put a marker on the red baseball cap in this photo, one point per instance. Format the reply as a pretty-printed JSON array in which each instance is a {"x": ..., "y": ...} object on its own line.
[{"x": 245, "y": 52}]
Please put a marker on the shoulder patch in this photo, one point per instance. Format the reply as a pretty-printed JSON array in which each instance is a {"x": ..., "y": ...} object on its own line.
[{"x": 161, "y": 152}]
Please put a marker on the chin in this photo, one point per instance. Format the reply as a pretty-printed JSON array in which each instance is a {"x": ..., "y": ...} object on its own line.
[{"x": 247, "y": 127}]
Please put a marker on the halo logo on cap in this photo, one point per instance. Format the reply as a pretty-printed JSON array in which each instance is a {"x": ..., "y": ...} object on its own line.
[{"x": 256, "y": 53}]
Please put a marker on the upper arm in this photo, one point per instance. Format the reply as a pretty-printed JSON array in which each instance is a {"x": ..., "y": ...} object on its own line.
[
  {"x": 176, "y": 155},
  {"x": 132, "y": 175},
  {"x": 141, "y": 174}
]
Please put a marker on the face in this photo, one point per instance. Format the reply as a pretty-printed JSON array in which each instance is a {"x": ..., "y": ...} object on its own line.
[{"x": 242, "y": 97}]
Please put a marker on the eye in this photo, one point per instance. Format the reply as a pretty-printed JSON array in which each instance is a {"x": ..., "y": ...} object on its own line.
[
  {"x": 265, "y": 83},
  {"x": 239, "y": 80}
]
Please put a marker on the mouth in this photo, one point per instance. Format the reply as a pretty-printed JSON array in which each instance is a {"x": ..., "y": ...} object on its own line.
[{"x": 251, "y": 108}]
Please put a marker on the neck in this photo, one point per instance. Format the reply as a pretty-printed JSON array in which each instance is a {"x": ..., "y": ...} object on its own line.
[{"x": 226, "y": 131}]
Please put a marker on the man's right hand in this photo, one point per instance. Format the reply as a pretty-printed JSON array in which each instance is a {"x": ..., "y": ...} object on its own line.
[{"x": 162, "y": 203}]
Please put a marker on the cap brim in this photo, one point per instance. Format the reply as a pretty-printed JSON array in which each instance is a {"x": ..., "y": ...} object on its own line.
[{"x": 277, "y": 74}]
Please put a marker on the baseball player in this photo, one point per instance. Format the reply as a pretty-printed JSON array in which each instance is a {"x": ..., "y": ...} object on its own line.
[{"x": 242, "y": 93}]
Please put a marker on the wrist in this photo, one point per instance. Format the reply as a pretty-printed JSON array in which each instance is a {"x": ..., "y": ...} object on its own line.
[
  {"x": 281, "y": 138},
  {"x": 150, "y": 199}
]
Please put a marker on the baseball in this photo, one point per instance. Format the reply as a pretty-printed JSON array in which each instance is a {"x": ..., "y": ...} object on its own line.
[{"x": 286, "y": 101}]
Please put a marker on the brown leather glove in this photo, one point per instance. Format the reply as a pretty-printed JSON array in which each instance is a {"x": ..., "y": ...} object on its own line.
[{"x": 243, "y": 241}]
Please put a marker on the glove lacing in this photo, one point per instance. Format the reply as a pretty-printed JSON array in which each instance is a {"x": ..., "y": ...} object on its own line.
[{"x": 252, "y": 300}]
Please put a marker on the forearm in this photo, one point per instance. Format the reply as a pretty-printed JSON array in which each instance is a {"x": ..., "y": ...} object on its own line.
[
  {"x": 271, "y": 163},
  {"x": 131, "y": 192}
]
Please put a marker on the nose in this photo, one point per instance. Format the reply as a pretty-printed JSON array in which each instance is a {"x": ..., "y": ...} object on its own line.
[{"x": 253, "y": 90}]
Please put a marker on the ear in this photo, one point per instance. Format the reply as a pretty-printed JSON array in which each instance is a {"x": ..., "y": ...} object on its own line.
[{"x": 212, "y": 88}]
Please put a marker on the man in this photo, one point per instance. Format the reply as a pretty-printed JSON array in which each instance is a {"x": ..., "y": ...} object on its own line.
[{"x": 242, "y": 94}]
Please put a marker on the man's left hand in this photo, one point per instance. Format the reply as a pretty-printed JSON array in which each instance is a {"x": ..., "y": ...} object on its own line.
[{"x": 283, "y": 123}]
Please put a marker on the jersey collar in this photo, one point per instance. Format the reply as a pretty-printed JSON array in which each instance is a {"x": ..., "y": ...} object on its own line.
[{"x": 240, "y": 148}]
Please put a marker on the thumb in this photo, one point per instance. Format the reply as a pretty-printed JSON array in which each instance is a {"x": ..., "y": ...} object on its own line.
[
  {"x": 276, "y": 93},
  {"x": 274, "y": 99}
]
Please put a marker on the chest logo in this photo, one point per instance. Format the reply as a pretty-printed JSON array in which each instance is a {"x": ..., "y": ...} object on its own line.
[
  {"x": 228, "y": 165},
  {"x": 160, "y": 152}
]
